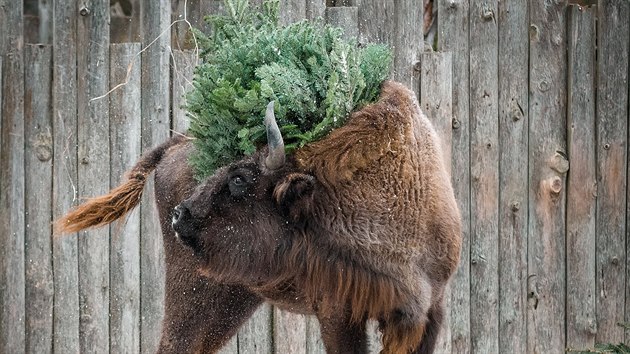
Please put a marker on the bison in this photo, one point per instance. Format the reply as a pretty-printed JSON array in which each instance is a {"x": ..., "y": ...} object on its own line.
[{"x": 360, "y": 225}]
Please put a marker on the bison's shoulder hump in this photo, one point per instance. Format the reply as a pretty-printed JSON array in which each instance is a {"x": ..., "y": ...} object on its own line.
[{"x": 377, "y": 129}]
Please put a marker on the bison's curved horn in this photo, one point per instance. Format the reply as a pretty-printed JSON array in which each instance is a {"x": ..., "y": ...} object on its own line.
[{"x": 275, "y": 159}]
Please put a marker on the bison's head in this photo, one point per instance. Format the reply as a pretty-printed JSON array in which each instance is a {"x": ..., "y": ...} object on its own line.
[{"x": 238, "y": 220}]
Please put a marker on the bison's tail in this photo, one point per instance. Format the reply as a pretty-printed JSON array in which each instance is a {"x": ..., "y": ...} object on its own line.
[{"x": 119, "y": 201}]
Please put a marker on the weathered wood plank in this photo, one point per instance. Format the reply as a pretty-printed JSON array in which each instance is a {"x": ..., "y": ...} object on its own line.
[
  {"x": 12, "y": 179},
  {"x": 582, "y": 180},
  {"x": 513, "y": 122},
  {"x": 289, "y": 332},
  {"x": 408, "y": 41},
  {"x": 547, "y": 173},
  {"x": 255, "y": 336},
  {"x": 93, "y": 169},
  {"x": 315, "y": 9},
  {"x": 292, "y": 11},
  {"x": 436, "y": 92},
  {"x": 346, "y": 18},
  {"x": 484, "y": 177},
  {"x": 376, "y": 21},
  {"x": 45, "y": 13},
  {"x": 38, "y": 191},
  {"x": 314, "y": 343},
  {"x": 612, "y": 152},
  {"x": 453, "y": 28},
  {"x": 155, "y": 130},
  {"x": 124, "y": 125},
  {"x": 400, "y": 26},
  {"x": 65, "y": 178},
  {"x": 184, "y": 63}
]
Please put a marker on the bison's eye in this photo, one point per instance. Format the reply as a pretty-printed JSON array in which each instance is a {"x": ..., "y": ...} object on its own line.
[
  {"x": 238, "y": 185},
  {"x": 237, "y": 181}
]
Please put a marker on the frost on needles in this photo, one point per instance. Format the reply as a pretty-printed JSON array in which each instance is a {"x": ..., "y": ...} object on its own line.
[{"x": 316, "y": 78}]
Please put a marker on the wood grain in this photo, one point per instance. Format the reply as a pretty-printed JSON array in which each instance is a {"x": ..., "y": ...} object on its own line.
[
  {"x": 38, "y": 192},
  {"x": 612, "y": 154},
  {"x": 547, "y": 177},
  {"x": 93, "y": 169},
  {"x": 581, "y": 180},
  {"x": 513, "y": 142},
  {"x": 12, "y": 179},
  {"x": 124, "y": 125},
  {"x": 484, "y": 177},
  {"x": 65, "y": 177}
]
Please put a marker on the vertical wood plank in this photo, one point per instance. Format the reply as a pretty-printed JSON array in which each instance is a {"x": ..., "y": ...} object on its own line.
[
  {"x": 612, "y": 145},
  {"x": 314, "y": 343},
  {"x": 292, "y": 11},
  {"x": 12, "y": 179},
  {"x": 93, "y": 169},
  {"x": 398, "y": 24},
  {"x": 65, "y": 178},
  {"x": 376, "y": 21},
  {"x": 45, "y": 21},
  {"x": 453, "y": 28},
  {"x": 346, "y": 18},
  {"x": 289, "y": 332},
  {"x": 315, "y": 9},
  {"x": 547, "y": 173},
  {"x": 513, "y": 122},
  {"x": 255, "y": 336},
  {"x": 408, "y": 42},
  {"x": 124, "y": 124},
  {"x": 184, "y": 63},
  {"x": 375, "y": 337},
  {"x": 484, "y": 177},
  {"x": 436, "y": 93},
  {"x": 38, "y": 192},
  {"x": 155, "y": 129},
  {"x": 581, "y": 180}
]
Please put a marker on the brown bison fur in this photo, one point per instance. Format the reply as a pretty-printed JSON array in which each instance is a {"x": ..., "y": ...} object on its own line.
[{"x": 360, "y": 225}]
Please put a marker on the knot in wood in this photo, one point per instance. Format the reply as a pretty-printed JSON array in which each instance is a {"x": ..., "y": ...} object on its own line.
[
  {"x": 559, "y": 162},
  {"x": 42, "y": 144},
  {"x": 85, "y": 160},
  {"x": 556, "y": 185},
  {"x": 456, "y": 124},
  {"x": 615, "y": 261},
  {"x": 417, "y": 66},
  {"x": 516, "y": 114},
  {"x": 488, "y": 15},
  {"x": 516, "y": 206}
]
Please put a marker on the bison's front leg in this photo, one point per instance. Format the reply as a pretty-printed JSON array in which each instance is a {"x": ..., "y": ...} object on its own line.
[
  {"x": 204, "y": 316},
  {"x": 340, "y": 335}
]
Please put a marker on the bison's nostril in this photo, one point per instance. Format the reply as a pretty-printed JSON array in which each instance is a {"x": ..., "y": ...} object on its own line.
[{"x": 179, "y": 213}]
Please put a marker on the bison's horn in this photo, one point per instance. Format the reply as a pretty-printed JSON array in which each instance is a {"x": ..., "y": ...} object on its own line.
[{"x": 275, "y": 159}]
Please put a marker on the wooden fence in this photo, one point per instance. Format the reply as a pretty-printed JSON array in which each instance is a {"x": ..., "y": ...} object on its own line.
[{"x": 530, "y": 98}]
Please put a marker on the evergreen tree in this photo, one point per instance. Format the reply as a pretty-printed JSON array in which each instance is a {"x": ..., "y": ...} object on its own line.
[{"x": 315, "y": 77}]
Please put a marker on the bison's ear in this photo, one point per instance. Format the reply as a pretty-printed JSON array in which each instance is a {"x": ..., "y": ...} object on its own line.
[{"x": 294, "y": 195}]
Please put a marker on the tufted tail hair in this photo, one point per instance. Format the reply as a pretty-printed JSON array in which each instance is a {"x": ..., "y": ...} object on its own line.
[{"x": 102, "y": 210}]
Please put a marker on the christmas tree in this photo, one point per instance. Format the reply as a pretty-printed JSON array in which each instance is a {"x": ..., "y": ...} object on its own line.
[{"x": 315, "y": 77}]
